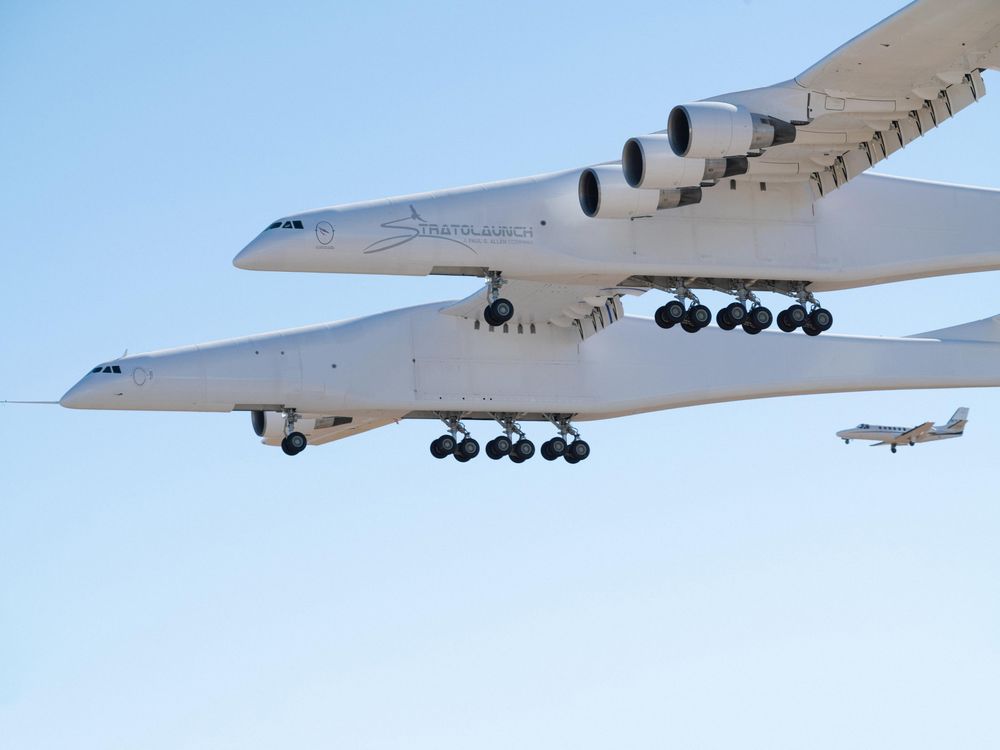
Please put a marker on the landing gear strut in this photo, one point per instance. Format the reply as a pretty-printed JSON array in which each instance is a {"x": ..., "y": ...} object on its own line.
[
  {"x": 574, "y": 452},
  {"x": 463, "y": 450},
  {"x": 499, "y": 310},
  {"x": 294, "y": 442},
  {"x": 519, "y": 450},
  {"x": 692, "y": 319},
  {"x": 812, "y": 323}
]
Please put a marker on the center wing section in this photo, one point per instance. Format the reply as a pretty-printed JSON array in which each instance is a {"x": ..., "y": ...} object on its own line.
[
  {"x": 878, "y": 92},
  {"x": 588, "y": 309}
]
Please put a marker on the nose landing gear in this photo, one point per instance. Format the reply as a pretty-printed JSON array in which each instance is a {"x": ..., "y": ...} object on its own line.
[
  {"x": 294, "y": 442},
  {"x": 499, "y": 310}
]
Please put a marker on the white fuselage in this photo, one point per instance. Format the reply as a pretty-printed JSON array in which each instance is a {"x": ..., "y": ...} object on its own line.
[
  {"x": 417, "y": 362},
  {"x": 873, "y": 230}
]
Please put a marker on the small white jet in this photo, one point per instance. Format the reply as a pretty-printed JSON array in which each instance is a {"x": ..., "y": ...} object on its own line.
[{"x": 894, "y": 436}]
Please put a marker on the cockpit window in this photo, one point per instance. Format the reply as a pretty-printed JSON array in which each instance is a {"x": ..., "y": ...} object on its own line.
[
  {"x": 109, "y": 369},
  {"x": 286, "y": 224}
]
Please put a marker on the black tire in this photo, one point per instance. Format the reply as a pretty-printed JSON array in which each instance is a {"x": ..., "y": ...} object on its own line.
[
  {"x": 294, "y": 443},
  {"x": 502, "y": 309},
  {"x": 502, "y": 444},
  {"x": 467, "y": 449},
  {"x": 893, "y": 448},
  {"x": 488, "y": 317},
  {"x": 723, "y": 320},
  {"x": 810, "y": 330},
  {"x": 446, "y": 444},
  {"x": 674, "y": 311},
  {"x": 288, "y": 450},
  {"x": 761, "y": 317},
  {"x": 660, "y": 318},
  {"x": 516, "y": 458},
  {"x": 690, "y": 327},
  {"x": 492, "y": 452},
  {"x": 783, "y": 322},
  {"x": 546, "y": 452},
  {"x": 737, "y": 312},
  {"x": 436, "y": 449},
  {"x": 750, "y": 328},
  {"x": 579, "y": 449},
  {"x": 797, "y": 315},
  {"x": 699, "y": 315},
  {"x": 570, "y": 458},
  {"x": 523, "y": 449},
  {"x": 821, "y": 319}
]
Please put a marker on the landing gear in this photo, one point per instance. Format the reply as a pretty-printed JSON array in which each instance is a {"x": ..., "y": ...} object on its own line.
[
  {"x": 522, "y": 450},
  {"x": 499, "y": 310},
  {"x": 670, "y": 314},
  {"x": 892, "y": 448},
  {"x": 499, "y": 447},
  {"x": 573, "y": 451},
  {"x": 448, "y": 444},
  {"x": 294, "y": 442}
]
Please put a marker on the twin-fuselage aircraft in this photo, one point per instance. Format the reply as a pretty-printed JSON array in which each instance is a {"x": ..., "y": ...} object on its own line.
[{"x": 758, "y": 192}]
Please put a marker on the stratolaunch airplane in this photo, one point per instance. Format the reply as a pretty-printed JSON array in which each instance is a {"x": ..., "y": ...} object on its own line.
[
  {"x": 893, "y": 436},
  {"x": 751, "y": 192}
]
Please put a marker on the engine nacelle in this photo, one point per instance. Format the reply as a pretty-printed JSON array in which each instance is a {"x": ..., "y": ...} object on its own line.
[
  {"x": 648, "y": 161},
  {"x": 710, "y": 130},
  {"x": 604, "y": 194}
]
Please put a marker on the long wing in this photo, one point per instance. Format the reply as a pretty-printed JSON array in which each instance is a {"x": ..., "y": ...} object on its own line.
[
  {"x": 586, "y": 309},
  {"x": 914, "y": 435},
  {"x": 878, "y": 92}
]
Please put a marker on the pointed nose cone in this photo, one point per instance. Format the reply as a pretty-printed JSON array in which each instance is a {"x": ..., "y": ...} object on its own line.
[
  {"x": 77, "y": 397},
  {"x": 252, "y": 257}
]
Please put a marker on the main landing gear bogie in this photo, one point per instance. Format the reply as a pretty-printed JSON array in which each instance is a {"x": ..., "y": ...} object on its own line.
[
  {"x": 746, "y": 313},
  {"x": 512, "y": 444}
]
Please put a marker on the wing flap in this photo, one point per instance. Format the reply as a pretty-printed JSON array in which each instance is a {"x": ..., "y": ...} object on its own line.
[{"x": 911, "y": 436}]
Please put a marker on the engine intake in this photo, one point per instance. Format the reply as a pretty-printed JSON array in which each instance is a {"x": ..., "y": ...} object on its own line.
[
  {"x": 710, "y": 130},
  {"x": 604, "y": 194},
  {"x": 648, "y": 161}
]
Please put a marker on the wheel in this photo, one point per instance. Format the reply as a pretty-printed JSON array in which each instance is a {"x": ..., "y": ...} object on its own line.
[
  {"x": 460, "y": 458},
  {"x": 294, "y": 443},
  {"x": 467, "y": 449},
  {"x": 761, "y": 317},
  {"x": 846, "y": 441},
  {"x": 502, "y": 309},
  {"x": 784, "y": 323},
  {"x": 821, "y": 319},
  {"x": 489, "y": 317},
  {"x": 579, "y": 449},
  {"x": 660, "y": 317},
  {"x": 674, "y": 311},
  {"x": 491, "y": 451},
  {"x": 502, "y": 444},
  {"x": 723, "y": 320},
  {"x": 750, "y": 328},
  {"x": 796, "y": 314},
  {"x": 690, "y": 327},
  {"x": 893, "y": 448},
  {"x": 737, "y": 313},
  {"x": 810, "y": 330},
  {"x": 699, "y": 315},
  {"x": 522, "y": 450},
  {"x": 446, "y": 444},
  {"x": 436, "y": 449},
  {"x": 553, "y": 449},
  {"x": 570, "y": 458}
]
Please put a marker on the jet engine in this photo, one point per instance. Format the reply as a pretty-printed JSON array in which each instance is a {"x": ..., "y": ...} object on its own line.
[
  {"x": 269, "y": 425},
  {"x": 709, "y": 130},
  {"x": 648, "y": 161},
  {"x": 604, "y": 194}
]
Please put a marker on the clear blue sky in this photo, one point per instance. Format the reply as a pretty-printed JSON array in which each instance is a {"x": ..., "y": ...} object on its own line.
[{"x": 715, "y": 577}]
